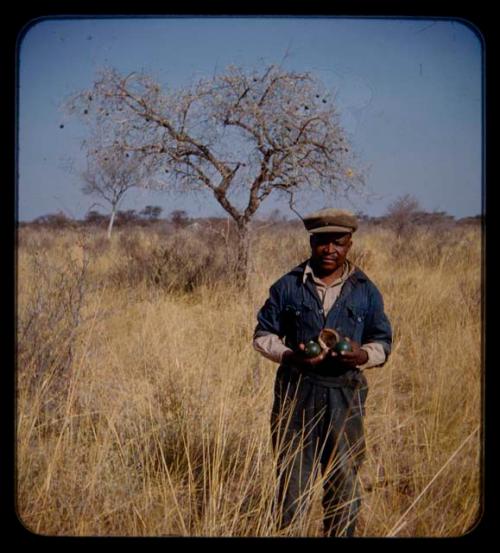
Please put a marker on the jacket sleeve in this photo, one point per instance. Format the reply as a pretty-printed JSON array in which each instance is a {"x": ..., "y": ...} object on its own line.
[
  {"x": 269, "y": 317},
  {"x": 270, "y": 346},
  {"x": 377, "y": 325}
]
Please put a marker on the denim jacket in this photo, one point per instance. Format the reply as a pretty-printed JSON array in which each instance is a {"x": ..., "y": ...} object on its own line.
[{"x": 294, "y": 311}]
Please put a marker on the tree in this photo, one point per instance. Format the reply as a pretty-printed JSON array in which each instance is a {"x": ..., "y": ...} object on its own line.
[
  {"x": 111, "y": 172},
  {"x": 179, "y": 218},
  {"x": 240, "y": 135},
  {"x": 152, "y": 212},
  {"x": 403, "y": 213}
]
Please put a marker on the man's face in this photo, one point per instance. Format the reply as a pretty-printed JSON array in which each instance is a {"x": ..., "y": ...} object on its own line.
[{"x": 329, "y": 250}]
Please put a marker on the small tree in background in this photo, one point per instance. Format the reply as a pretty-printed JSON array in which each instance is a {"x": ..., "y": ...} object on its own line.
[
  {"x": 403, "y": 213},
  {"x": 111, "y": 172},
  {"x": 240, "y": 135},
  {"x": 151, "y": 212},
  {"x": 179, "y": 218}
]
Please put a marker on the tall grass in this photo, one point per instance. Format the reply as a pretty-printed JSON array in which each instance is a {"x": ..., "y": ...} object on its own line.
[{"x": 143, "y": 410}]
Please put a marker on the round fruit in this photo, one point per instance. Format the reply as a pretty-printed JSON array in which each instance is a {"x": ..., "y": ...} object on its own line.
[
  {"x": 312, "y": 349},
  {"x": 343, "y": 345}
]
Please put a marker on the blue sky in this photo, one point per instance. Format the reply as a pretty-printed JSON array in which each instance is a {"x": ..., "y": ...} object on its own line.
[{"x": 409, "y": 93}]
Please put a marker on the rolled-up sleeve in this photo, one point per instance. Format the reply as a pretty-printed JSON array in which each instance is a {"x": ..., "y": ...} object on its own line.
[
  {"x": 268, "y": 334},
  {"x": 376, "y": 355},
  {"x": 377, "y": 325},
  {"x": 270, "y": 346}
]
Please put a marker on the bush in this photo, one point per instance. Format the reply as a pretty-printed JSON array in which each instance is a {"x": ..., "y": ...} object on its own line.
[
  {"x": 49, "y": 323},
  {"x": 180, "y": 262},
  {"x": 55, "y": 221}
]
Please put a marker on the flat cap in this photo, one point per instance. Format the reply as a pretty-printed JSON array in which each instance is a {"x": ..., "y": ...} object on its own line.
[{"x": 330, "y": 220}]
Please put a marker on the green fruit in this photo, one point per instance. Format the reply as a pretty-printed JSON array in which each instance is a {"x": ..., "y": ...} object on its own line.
[
  {"x": 342, "y": 345},
  {"x": 312, "y": 349}
]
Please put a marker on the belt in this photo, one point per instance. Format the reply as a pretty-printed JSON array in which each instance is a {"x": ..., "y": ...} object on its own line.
[{"x": 351, "y": 379}]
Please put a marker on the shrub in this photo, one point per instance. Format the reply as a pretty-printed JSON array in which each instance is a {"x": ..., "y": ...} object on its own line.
[{"x": 179, "y": 262}]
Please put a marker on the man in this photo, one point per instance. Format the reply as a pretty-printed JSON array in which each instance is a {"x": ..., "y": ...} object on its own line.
[{"x": 317, "y": 416}]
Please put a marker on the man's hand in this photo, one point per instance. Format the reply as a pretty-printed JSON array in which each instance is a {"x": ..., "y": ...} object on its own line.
[
  {"x": 350, "y": 359},
  {"x": 299, "y": 359},
  {"x": 353, "y": 358}
]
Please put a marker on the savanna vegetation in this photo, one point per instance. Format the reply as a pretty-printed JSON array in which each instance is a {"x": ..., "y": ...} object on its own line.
[{"x": 143, "y": 410}]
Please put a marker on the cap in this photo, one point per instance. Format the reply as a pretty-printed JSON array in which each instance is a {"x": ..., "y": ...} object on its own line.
[{"x": 330, "y": 220}]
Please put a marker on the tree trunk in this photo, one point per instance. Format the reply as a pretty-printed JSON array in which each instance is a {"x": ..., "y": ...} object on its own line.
[
  {"x": 111, "y": 220},
  {"x": 243, "y": 254}
]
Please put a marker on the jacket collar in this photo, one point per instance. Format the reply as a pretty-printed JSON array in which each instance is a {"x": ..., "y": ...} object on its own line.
[
  {"x": 356, "y": 274},
  {"x": 348, "y": 270}
]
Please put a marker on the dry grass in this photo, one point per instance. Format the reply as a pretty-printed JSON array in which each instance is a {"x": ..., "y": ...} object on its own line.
[{"x": 143, "y": 410}]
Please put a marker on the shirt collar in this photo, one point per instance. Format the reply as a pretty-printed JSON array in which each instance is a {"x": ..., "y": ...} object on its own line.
[{"x": 348, "y": 270}]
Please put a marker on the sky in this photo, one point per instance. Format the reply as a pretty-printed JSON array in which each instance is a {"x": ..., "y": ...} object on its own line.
[{"x": 409, "y": 93}]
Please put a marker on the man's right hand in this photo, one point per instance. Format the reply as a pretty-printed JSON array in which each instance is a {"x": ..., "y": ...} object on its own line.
[{"x": 300, "y": 360}]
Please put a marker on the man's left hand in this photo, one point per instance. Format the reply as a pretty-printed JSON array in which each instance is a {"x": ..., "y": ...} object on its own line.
[{"x": 353, "y": 358}]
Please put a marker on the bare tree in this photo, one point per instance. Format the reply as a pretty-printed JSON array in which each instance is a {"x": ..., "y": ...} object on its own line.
[
  {"x": 403, "y": 213},
  {"x": 111, "y": 172},
  {"x": 239, "y": 135}
]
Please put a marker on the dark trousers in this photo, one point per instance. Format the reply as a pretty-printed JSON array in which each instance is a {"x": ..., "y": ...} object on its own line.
[{"x": 317, "y": 428}]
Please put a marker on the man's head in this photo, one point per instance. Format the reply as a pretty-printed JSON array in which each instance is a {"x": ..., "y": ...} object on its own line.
[{"x": 330, "y": 238}]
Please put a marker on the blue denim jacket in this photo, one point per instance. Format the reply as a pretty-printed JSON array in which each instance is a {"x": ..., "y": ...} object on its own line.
[{"x": 294, "y": 311}]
